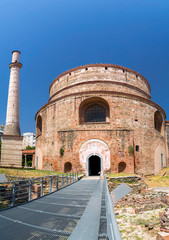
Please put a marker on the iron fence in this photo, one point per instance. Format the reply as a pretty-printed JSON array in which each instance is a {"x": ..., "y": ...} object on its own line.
[{"x": 17, "y": 192}]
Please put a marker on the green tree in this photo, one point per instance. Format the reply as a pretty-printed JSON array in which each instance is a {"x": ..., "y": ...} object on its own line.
[{"x": 30, "y": 148}]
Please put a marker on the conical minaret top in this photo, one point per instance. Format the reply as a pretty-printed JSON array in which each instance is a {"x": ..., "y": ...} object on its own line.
[{"x": 12, "y": 116}]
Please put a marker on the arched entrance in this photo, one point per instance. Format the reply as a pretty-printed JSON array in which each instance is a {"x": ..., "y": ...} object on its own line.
[
  {"x": 94, "y": 149},
  {"x": 94, "y": 165}
]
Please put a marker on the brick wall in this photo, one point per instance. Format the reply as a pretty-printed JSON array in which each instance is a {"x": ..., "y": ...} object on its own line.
[{"x": 130, "y": 121}]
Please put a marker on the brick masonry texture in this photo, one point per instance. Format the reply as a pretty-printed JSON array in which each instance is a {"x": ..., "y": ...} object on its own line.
[
  {"x": 11, "y": 153},
  {"x": 130, "y": 122}
]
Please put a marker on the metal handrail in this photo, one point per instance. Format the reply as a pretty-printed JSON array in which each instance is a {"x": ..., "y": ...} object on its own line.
[
  {"x": 17, "y": 192},
  {"x": 113, "y": 232}
]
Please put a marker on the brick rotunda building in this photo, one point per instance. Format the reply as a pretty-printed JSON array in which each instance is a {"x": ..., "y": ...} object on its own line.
[{"x": 100, "y": 118}]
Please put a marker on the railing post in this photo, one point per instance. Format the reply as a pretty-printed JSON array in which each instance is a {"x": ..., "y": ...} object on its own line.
[
  {"x": 57, "y": 183},
  {"x": 42, "y": 187},
  {"x": 62, "y": 180},
  {"x": 50, "y": 190},
  {"x": 30, "y": 190},
  {"x": 66, "y": 180},
  {"x": 70, "y": 179},
  {"x": 13, "y": 194}
]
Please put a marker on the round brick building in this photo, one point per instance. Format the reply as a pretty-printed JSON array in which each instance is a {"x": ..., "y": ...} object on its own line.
[{"x": 100, "y": 118}]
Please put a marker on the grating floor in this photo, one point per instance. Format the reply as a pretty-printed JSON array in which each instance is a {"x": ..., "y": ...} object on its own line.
[{"x": 51, "y": 217}]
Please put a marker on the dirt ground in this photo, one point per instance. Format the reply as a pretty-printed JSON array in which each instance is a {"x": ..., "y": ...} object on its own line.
[
  {"x": 134, "y": 226},
  {"x": 137, "y": 213}
]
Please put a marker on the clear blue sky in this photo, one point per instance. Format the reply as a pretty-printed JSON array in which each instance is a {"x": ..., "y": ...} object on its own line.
[{"x": 56, "y": 35}]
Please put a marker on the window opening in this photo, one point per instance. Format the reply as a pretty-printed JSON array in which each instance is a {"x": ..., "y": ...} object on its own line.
[
  {"x": 137, "y": 148},
  {"x": 95, "y": 113},
  {"x": 162, "y": 163},
  {"x": 39, "y": 125},
  {"x": 158, "y": 121}
]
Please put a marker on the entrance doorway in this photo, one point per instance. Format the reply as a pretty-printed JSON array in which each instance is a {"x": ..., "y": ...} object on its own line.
[{"x": 94, "y": 166}]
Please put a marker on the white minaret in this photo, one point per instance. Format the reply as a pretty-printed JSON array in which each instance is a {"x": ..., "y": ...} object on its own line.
[
  {"x": 11, "y": 151},
  {"x": 12, "y": 115}
]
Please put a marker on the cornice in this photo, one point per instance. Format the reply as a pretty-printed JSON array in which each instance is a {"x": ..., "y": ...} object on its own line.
[{"x": 15, "y": 64}]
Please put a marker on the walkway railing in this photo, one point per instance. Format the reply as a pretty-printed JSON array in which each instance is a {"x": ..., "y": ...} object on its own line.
[
  {"x": 113, "y": 232},
  {"x": 18, "y": 192}
]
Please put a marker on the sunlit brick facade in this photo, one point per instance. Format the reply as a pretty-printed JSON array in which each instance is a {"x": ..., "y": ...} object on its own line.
[{"x": 100, "y": 118}]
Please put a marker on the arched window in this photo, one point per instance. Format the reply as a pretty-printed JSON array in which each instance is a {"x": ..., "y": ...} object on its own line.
[
  {"x": 158, "y": 120},
  {"x": 121, "y": 167},
  {"x": 95, "y": 113},
  {"x": 39, "y": 125},
  {"x": 67, "y": 167},
  {"x": 94, "y": 110}
]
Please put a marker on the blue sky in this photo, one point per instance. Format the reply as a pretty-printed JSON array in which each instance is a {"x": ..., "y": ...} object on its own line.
[{"x": 56, "y": 35}]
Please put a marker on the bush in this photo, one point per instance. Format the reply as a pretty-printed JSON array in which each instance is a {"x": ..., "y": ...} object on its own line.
[
  {"x": 61, "y": 151},
  {"x": 131, "y": 149}
]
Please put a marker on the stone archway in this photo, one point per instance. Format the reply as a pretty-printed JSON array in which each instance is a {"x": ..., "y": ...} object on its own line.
[{"x": 92, "y": 148}]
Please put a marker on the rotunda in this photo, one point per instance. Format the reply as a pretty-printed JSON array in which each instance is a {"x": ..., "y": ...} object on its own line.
[{"x": 100, "y": 118}]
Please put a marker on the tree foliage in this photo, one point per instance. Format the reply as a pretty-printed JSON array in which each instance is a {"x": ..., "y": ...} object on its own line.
[
  {"x": 30, "y": 148},
  {"x": 61, "y": 151}
]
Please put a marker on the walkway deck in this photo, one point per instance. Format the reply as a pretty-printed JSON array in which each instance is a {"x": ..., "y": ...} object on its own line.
[{"x": 75, "y": 212}]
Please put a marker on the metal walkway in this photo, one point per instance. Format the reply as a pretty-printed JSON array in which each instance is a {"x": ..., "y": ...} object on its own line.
[
  {"x": 55, "y": 216},
  {"x": 81, "y": 211}
]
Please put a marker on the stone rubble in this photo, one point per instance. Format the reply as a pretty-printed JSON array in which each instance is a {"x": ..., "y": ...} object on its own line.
[{"x": 141, "y": 203}]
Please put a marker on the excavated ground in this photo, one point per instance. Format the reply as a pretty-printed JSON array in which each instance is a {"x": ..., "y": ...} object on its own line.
[{"x": 137, "y": 213}]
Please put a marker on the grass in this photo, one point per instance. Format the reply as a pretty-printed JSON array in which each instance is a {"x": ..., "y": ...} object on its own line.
[
  {"x": 27, "y": 172},
  {"x": 120, "y": 174},
  {"x": 153, "y": 181},
  {"x": 158, "y": 180}
]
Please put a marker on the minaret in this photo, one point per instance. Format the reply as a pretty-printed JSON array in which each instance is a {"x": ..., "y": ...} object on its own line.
[
  {"x": 12, "y": 115},
  {"x": 11, "y": 153}
]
